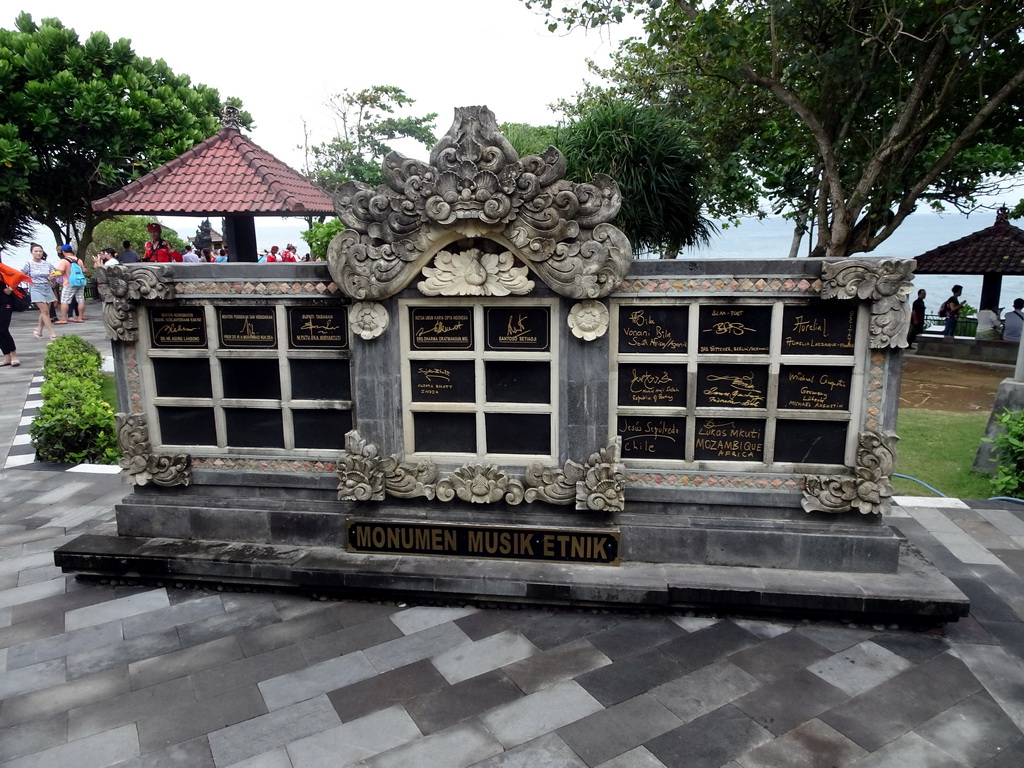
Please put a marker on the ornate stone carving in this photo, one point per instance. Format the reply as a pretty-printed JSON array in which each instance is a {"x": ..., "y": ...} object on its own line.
[
  {"x": 138, "y": 462},
  {"x": 553, "y": 485},
  {"x": 868, "y": 489},
  {"x": 230, "y": 117},
  {"x": 480, "y": 484},
  {"x": 886, "y": 282},
  {"x": 407, "y": 481},
  {"x": 368, "y": 319},
  {"x": 125, "y": 285},
  {"x": 588, "y": 320},
  {"x": 475, "y": 185},
  {"x": 603, "y": 487},
  {"x": 360, "y": 477},
  {"x": 475, "y": 273}
]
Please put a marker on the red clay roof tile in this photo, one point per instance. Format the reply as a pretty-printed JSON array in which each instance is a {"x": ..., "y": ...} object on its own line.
[{"x": 998, "y": 249}]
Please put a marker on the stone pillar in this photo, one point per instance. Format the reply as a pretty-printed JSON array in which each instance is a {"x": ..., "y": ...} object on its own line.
[{"x": 240, "y": 237}]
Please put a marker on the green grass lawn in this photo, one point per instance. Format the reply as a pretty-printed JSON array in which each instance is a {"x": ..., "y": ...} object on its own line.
[
  {"x": 108, "y": 386},
  {"x": 938, "y": 447}
]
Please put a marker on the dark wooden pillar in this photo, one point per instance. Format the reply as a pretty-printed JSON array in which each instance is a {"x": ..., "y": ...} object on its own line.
[
  {"x": 240, "y": 237},
  {"x": 991, "y": 287}
]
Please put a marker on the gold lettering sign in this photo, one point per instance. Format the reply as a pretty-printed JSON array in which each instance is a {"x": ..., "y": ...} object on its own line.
[
  {"x": 247, "y": 327},
  {"x": 653, "y": 329},
  {"x": 178, "y": 327},
  {"x": 734, "y": 329},
  {"x": 729, "y": 440},
  {"x": 441, "y": 328},
  {"x": 317, "y": 328}
]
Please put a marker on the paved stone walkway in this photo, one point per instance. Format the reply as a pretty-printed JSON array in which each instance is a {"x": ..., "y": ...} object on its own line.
[{"x": 96, "y": 675}]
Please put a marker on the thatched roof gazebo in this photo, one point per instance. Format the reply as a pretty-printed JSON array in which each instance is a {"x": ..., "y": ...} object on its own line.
[
  {"x": 225, "y": 175},
  {"x": 992, "y": 252}
]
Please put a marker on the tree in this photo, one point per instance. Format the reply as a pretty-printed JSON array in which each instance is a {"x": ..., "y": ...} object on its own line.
[
  {"x": 319, "y": 236},
  {"x": 112, "y": 232},
  {"x": 367, "y": 125},
  {"x": 847, "y": 113},
  {"x": 80, "y": 120}
]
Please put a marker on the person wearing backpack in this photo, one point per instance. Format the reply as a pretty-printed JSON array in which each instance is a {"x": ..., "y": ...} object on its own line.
[
  {"x": 950, "y": 311},
  {"x": 74, "y": 285}
]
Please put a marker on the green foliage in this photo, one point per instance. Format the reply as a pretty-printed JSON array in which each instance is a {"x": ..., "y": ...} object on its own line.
[
  {"x": 657, "y": 167},
  {"x": 368, "y": 126},
  {"x": 1009, "y": 452},
  {"x": 74, "y": 423},
  {"x": 528, "y": 139},
  {"x": 844, "y": 115},
  {"x": 966, "y": 310},
  {"x": 318, "y": 237},
  {"x": 112, "y": 232},
  {"x": 80, "y": 119}
]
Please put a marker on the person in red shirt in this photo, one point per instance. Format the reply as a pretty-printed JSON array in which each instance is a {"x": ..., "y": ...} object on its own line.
[
  {"x": 288, "y": 254},
  {"x": 272, "y": 256},
  {"x": 158, "y": 249}
]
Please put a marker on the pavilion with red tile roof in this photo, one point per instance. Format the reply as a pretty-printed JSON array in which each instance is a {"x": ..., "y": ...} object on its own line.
[
  {"x": 225, "y": 175},
  {"x": 993, "y": 252}
]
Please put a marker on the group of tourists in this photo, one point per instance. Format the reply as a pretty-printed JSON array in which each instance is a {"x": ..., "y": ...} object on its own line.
[
  {"x": 275, "y": 254},
  {"x": 991, "y": 327}
]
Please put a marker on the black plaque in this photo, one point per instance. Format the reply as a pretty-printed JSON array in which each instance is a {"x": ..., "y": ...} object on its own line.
[
  {"x": 653, "y": 437},
  {"x": 517, "y": 329},
  {"x": 815, "y": 388},
  {"x": 560, "y": 545},
  {"x": 518, "y": 382},
  {"x": 178, "y": 327},
  {"x": 810, "y": 442},
  {"x": 182, "y": 377},
  {"x": 729, "y": 440},
  {"x": 187, "y": 426},
  {"x": 317, "y": 328},
  {"x": 441, "y": 328},
  {"x": 652, "y": 385},
  {"x": 734, "y": 329},
  {"x": 319, "y": 378},
  {"x": 732, "y": 386},
  {"x": 653, "y": 330},
  {"x": 518, "y": 433},
  {"x": 247, "y": 327},
  {"x": 251, "y": 379},
  {"x": 254, "y": 427},
  {"x": 819, "y": 329},
  {"x": 321, "y": 428},
  {"x": 445, "y": 432},
  {"x": 443, "y": 381}
]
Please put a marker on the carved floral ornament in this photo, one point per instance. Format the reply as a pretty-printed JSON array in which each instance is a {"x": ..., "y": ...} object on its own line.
[
  {"x": 368, "y": 319},
  {"x": 886, "y": 283},
  {"x": 588, "y": 320},
  {"x": 476, "y": 185},
  {"x": 867, "y": 490},
  {"x": 138, "y": 462},
  {"x": 125, "y": 286},
  {"x": 475, "y": 273},
  {"x": 597, "y": 486}
]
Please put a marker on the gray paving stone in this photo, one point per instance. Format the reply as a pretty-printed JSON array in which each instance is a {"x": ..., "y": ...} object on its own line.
[
  {"x": 705, "y": 690},
  {"x": 360, "y": 739},
  {"x": 116, "y": 609},
  {"x": 632, "y": 637},
  {"x": 540, "y": 713},
  {"x": 293, "y": 687},
  {"x": 789, "y": 702},
  {"x": 188, "y": 754},
  {"x": 689, "y": 745},
  {"x": 489, "y": 622},
  {"x": 450, "y": 705},
  {"x": 457, "y": 747},
  {"x": 974, "y": 731},
  {"x": 547, "y": 750},
  {"x": 172, "y": 616},
  {"x": 34, "y": 736},
  {"x": 913, "y": 646},
  {"x": 779, "y": 656},
  {"x": 290, "y": 631},
  {"x": 630, "y": 677},
  {"x": 356, "y": 637},
  {"x": 420, "y": 645},
  {"x": 910, "y": 751},
  {"x": 129, "y": 707},
  {"x": 555, "y": 629},
  {"x": 37, "y": 575},
  {"x": 556, "y": 666},
  {"x": 415, "y": 620},
  {"x": 637, "y": 758},
  {"x": 272, "y": 730},
  {"x": 236, "y": 674},
  {"x": 811, "y": 745},
  {"x": 61, "y": 698},
  {"x": 216, "y": 715},
  {"x": 1000, "y": 674},
  {"x": 30, "y": 630},
  {"x": 860, "y": 668},
  {"x": 213, "y": 627},
  {"x": 491, "y": 653},
  {"x": 14, "y": 564},
  {"x": 125, "y": 652},
  {"x": 26, "y": 594},
  {"x": 708, "y": 645},
  {"x": 32, "y": 678},
  {"x": 57, "y": 605},
  {"x": 277, "y": 758},
  {"x": 97, "y": 751},
  {"x": 65, "y": 644},
  {"x": 184, "y": 662},
  {"x": 385, "y": 690},
  {"x": 616, "y": 730}
]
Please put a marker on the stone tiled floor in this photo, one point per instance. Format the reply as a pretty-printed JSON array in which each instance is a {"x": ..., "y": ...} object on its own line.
[{"x": 96, "y": 675}]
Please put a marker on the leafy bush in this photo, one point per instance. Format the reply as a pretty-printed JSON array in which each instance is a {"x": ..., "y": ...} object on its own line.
[
  {"x": 319, "y": 236},
  {"x": 1009, "y": 451},
  {"x": 74, "y": 424}
]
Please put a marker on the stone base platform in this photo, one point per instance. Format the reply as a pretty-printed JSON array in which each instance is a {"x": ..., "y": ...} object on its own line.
[{"x": 917, "y": 591}]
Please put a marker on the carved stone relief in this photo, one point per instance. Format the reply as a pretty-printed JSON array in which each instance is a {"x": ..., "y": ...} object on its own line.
[
  {"x": 476, "y": 185},
  {"x": 475, "y": 273},
  {"x": 597, "y": 486},
  {"x": 886, "y": 282},
  {"x": 588, "y": 320},
  {"x": 867, "y": 490},
  {"x": 123, "y": 287},
  {"x": 138, "y": 462},
  {"x": 368, "y": 319}
]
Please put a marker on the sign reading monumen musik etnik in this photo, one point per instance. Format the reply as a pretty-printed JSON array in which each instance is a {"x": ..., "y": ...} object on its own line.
[{"x": 482, "y": 371}]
